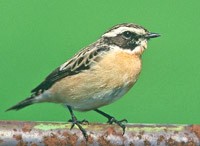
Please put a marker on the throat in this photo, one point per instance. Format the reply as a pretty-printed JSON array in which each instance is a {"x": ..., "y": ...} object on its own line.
[{"x": 138, "y": 50}]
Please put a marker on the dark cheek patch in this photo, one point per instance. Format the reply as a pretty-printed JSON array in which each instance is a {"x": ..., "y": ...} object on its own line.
[
  {"x": 132, "y": 45},
  {"x": 122, "y": 42},
  {"x": 119, "y": 41}
]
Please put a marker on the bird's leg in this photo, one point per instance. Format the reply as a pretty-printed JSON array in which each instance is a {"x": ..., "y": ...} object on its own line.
[
  {"x": 112, "y": 119},
  {"x": 74, "y": 122}
]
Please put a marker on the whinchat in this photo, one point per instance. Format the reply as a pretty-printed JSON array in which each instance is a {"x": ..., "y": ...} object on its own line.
[{"x": 97, "y": 75}]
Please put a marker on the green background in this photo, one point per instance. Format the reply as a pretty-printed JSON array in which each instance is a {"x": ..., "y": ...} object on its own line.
[{"x": 37, "y": 36}]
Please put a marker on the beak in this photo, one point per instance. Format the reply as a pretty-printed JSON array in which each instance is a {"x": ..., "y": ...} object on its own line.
[{"x": 151, "y": 35}]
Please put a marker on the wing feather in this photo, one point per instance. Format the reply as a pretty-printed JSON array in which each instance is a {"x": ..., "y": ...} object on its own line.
[{"x": 80, "y": 62}]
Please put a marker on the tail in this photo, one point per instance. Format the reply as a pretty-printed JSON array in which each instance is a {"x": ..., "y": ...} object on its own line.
[{"x": 22, "y": 104}]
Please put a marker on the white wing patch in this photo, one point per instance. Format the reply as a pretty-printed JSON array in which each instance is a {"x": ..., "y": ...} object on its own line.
[{"x": 63, "y": 66}]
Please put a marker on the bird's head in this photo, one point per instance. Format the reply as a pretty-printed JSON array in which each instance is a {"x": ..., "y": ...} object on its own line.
[{"x": 129, "y": 36}]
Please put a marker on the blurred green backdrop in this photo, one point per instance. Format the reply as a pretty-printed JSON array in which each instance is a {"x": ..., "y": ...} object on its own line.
[{"x": 37, "y": 36}]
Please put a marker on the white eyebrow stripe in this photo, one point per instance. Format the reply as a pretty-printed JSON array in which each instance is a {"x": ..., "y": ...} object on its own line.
[{"x": 120, "y": 30}]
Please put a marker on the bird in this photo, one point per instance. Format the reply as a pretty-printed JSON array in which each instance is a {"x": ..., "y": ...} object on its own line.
[{"x": 97, "y": 75}]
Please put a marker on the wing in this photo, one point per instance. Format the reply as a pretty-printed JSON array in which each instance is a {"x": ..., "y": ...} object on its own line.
[{"x": 80, "y": 62}]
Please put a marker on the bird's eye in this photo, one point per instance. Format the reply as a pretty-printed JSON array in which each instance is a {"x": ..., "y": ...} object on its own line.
[{"x": 127, "y": 34}]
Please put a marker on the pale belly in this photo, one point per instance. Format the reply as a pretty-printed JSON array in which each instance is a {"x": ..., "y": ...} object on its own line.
[
  {"x": 89, "y": 95},
  {"x": 99, "y": 99},
  {"x": 103, "y": 84}
]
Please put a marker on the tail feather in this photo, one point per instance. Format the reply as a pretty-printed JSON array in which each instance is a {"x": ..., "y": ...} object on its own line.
[{"x": 22, "y": 104}]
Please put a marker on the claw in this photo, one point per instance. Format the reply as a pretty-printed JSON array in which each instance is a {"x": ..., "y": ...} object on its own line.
[
  {"x": 72, "y": 126},
  {"x": 74, "y": 122},
  {"x": 123, "y": 128},
  {"x": 84, "y": 122},
  {"x": 112, "y": 120},
  {"x": 124, "y": 120}
]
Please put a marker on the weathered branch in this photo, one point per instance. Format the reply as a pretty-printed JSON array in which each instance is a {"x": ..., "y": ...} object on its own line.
[{"x": 59, "y": 134}]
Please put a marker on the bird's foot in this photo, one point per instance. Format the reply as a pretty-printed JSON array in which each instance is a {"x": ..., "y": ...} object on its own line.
[
  {"x": 78, "y": 123},
  {"x": 74, "y": 121},
  {"x": 112, "y": 120}
]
